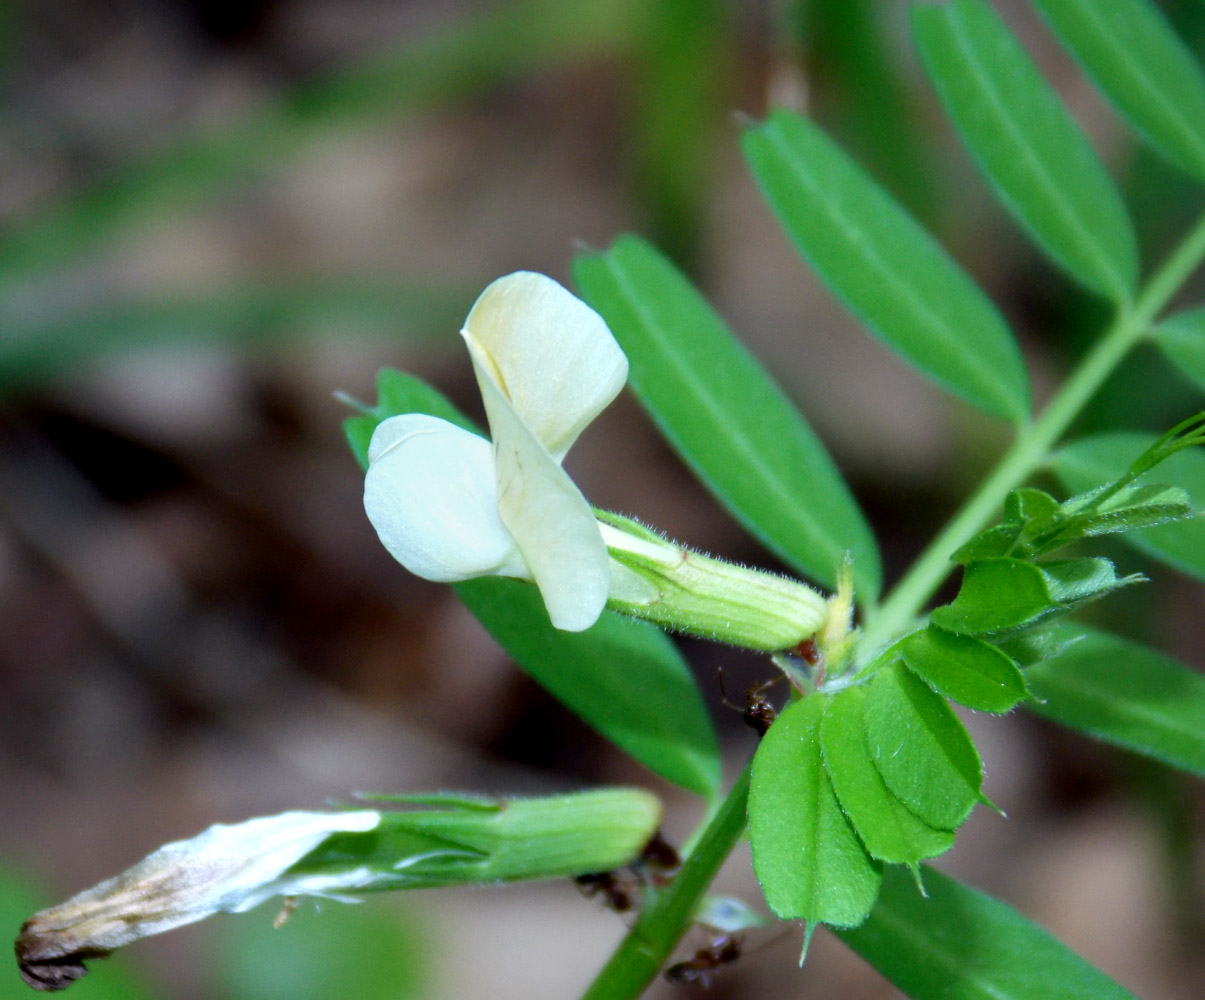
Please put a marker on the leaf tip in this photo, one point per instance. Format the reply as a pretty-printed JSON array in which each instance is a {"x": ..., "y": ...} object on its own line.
[
  {"x": 918, "y": 878},
  {"x": 809, "y": 930},
  {"x": 992, "y": 805},
  {"x": 347, "y": 399}
]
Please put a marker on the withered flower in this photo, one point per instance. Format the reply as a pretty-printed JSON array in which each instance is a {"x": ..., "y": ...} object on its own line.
[{"x": 226, "y": 869}]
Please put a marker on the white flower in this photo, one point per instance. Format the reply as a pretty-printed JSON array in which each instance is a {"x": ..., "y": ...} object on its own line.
[
  {"x": 450, "y": 506},
  {"x": 226, "y": 869}
]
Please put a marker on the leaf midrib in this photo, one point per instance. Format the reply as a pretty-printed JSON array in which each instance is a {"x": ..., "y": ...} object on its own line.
[
  {"x": 1168, "y": 112},
  {"x": 717, "y": 415},
  {"x": 1045, "y": 183}
]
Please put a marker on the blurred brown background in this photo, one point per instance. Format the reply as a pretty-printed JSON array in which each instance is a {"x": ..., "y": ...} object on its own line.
[{"x": 214, "y": 216}]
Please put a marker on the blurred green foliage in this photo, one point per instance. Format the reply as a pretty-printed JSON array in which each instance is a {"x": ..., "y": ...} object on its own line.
[
  {"x": 672, "y": 46},
  {"x": 369, "y": 951}
]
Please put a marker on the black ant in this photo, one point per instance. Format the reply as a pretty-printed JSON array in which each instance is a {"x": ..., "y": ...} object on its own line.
[
  {"x": 655, "y": 866},
  {"x": 811, "y": 654},
  {"x": 700, "y": 968},
  {"x": 658, "y": 860},
  {"x": 619, "y": 897},
  {"x": 758, "y": 713}
]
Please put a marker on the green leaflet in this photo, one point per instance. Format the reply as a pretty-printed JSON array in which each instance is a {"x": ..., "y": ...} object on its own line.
[
  {"x": 1039, "y": 163},
  {"x": 1133, "y": 506},
  {"x": 651, "y": 709},
  {"x": 806, "y": 856},
  {"x": 889, "y": 830},
  {"x": 397, "y": 393},
  {"x": 1126, "y": 694},
  {"x": 1148, "y": 73},
  {"x": 725, "y": 415},
  {"x": 999, "y": 596},
  {"x": 962, "y": 945},
  {"x": 1035, "y": 523},
  {"x": 1027, "y": 648},
  {"x": 885, "y": 266},
  {"x": 862, "y": 68},
  {"x": 920, "y": 748},
  {"x": 1092, "y": 460},
  {"x": 625, "y": 678},
  {"x": 1027, "y": 512},
  {"x": 1182, "y": 340},
  {"x": 964, "y": 669}
]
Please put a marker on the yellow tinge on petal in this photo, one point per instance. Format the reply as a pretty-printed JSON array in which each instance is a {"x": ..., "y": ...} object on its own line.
[
  {"x": 546, "y": 365},
  {"x": 551, "y": 522},
  {"x": 449, "y": 507},
  {"x": 548, "y": 353}
]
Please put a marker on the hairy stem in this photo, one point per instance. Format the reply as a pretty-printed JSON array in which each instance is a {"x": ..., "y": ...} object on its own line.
[
  {"x": 669, "y": 915},
  {"x": 1032, "y": 445}
]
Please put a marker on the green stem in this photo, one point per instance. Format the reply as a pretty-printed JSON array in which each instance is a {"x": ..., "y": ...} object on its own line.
[
  {"x": 1033, "y": 444},
  {"x": 669, "y": 915}
]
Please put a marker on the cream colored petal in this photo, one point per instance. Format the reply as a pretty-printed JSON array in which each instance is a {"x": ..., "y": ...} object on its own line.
[
  {"x": 548, "y": 352},
  {"x": 549, "y": 519},
  {"x": 431, "y": 493}
]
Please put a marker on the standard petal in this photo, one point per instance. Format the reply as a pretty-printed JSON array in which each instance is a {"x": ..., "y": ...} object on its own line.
[
  {"x": 431, "y": 493},
  {"x": 549, "y": 519},
  {"x": 548, "y": 352}
]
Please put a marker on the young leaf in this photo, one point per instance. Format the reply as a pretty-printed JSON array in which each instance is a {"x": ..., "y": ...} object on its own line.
[
  {"x": 806, "y": 855},
  {"x": 886, "y": 268},
  {"x": 625, "y": 678},
  {"x": 965, "y": 669},
  {"x": 959, "y": 944},
  {"x": 889, "y": 830},
  {"x": 1133, "y": 506},
  {"x": 1039, "y": 163},
  {"x": 1026, "y": 512},
  {"x": 1089, "y": 461},
  {"x": 1126, "y": 694},
  {"x": 725, "y": 415},
  {"x": 1075, "y": 581},
  {"x": 999, "y": 596},
  {"x": 1152, "y": 77},
  {"x": 652, "y": 710},
  {"x": 1027, "y": 648},
  {"x": 1036, "y": 524},
  {"x": 1035, "y": 509},
  {"x": 921, "y": 748},
  {"x": 1182, "y": 340}
]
